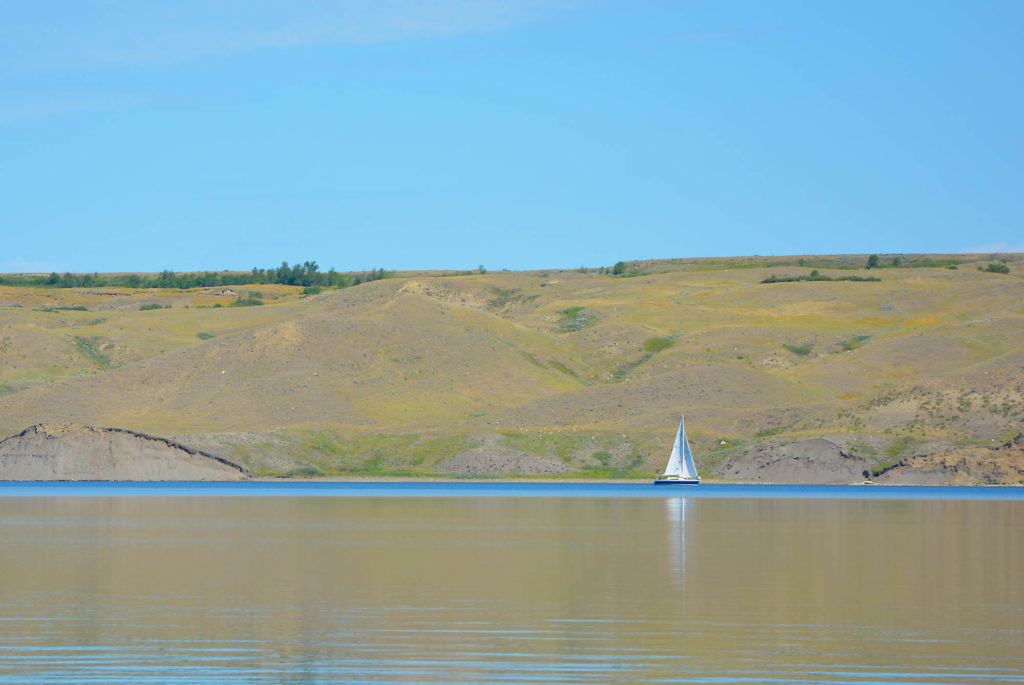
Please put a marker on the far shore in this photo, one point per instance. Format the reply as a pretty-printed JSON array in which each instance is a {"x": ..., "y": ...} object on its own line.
[
  {"x": 507, "y": 480},
  {"x": 576, "y": 481}
]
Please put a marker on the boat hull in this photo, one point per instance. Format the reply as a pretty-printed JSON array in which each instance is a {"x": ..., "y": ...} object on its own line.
[{"x": 677, "y": 481}]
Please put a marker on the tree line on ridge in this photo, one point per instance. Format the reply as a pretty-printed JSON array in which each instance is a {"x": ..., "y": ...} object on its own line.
[{"x": 307, "y": 275}]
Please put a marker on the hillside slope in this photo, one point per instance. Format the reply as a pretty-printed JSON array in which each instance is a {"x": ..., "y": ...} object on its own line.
[
  {"x": 577, "y": 372},
  {"x": 77, "y": 452}
]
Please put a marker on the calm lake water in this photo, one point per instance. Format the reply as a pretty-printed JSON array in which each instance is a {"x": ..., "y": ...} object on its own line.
[{"x": 525, "y": 583}]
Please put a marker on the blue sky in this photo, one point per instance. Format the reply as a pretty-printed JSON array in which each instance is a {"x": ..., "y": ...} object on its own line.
[{"x": 227, "y": 134}]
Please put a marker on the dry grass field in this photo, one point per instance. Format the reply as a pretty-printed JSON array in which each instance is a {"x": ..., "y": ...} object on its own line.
[{"x": 566, "y": 372}]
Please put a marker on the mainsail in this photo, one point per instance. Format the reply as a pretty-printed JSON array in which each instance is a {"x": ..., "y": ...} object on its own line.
[{"x": 680, "y": 462}]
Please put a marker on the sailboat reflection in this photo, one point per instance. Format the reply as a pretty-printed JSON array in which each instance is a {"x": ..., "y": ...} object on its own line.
[{"x": 675, "y": 508}]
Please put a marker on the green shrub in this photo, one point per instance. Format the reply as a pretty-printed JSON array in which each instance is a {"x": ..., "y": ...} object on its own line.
[
  {"x": 503, "y": 297},
  {"x": 854, "y": 341},
  {"x": 997, "y": 269},
  {"x": 304, "y": 471},
  {"x": 800, "y": 350},
  {"x": 655, "y": 345},
  {"x": 815, "y": 276},
  {"x": 204, "y": 336},
  {"x": 573, "y": 319},
  {"x": 151, "y": 306},
  {"x": 250, "y": 300},
  {"x": 66, "y": 308},
  {"x": 312, "y": 290},
  {"x": 87, "y": 348},
  {"x": 559, "y": 366}
]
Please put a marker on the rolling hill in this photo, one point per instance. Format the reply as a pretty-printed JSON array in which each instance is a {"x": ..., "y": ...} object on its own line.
[{"x": 565, "y": 372}]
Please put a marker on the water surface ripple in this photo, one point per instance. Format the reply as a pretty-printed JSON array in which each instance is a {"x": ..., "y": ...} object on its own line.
[{"x": 509, "y": 583}]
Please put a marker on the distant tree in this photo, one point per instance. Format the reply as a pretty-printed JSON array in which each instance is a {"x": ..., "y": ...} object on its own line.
[
  {"x": 619, "y": 268},
  {"x": 896, "y": 262},
  {"x": 305, "y": 275},
  {"x": 873, "y": 261},
  {"x": 997, "y": 269},
  {"x": 480, "y": 268}
]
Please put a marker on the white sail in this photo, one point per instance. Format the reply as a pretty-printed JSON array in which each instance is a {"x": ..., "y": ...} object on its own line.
[
  {"x": 689, "y": 469},
  {"x": 680, "y": 461},
  {"x": 675, "y": 462}
]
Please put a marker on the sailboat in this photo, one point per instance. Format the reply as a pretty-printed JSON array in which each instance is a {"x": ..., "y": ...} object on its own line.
[{"x": 680, "y": 469}]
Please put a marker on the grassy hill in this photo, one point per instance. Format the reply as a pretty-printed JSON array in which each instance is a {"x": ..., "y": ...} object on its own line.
[{"x": 577, "y": 372}]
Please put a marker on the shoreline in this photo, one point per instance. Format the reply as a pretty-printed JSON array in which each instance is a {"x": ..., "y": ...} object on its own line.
[
  {"x": 337, "y": 480},
  {"x": 583, "y": 481}
]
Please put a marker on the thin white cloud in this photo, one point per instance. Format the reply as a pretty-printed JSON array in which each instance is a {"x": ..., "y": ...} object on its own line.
[
  {"x": 20, "y": 265},
  {"x": 35, "y": 108},
  {"x": 999, "y": 248},
  {"x": 74, "y": 34}
]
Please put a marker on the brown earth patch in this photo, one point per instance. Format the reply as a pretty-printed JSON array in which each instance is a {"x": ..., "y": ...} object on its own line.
[
  {"x": 78, "y": 452},
  {"x": 969, "y": 465},
  {"x": 445, "y": 294},
  {"x": 816, "y": 461}
]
